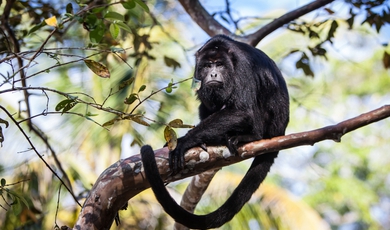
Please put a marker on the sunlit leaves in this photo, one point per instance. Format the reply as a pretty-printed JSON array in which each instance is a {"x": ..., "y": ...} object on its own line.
[
  {"x": 170, "y": 134},
  {"x": 170, "y": 137},
  {"x": 98, "y": 68},
  {"x": 117, "y": 23},
  {"x": 114, "y": 30},
  {"x": 52, "y": 21}
]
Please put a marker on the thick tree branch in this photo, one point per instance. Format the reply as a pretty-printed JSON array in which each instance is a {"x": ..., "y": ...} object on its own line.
[
  {"x": 203, "y": 18},
  {"x": 213, "y": 27},
  {"x": 125, "y": 179}
]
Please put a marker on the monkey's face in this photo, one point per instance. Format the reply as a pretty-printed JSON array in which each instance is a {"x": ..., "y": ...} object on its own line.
[{"x": 215, "y": 70}]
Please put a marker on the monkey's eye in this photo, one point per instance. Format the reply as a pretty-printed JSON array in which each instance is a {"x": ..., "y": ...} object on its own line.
[
  {"x": 218, "y": 63},
  {"x": 208, "y": 64}
]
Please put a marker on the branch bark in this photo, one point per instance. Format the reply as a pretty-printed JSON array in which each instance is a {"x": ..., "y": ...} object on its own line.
[{"x": 125, "y": 179}]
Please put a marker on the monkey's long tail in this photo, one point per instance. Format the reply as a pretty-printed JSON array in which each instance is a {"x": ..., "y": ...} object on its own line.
[{"x": 248, "y": 185}]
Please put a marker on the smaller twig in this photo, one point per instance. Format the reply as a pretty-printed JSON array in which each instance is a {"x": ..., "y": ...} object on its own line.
[
  {"x": 18, "y": 182},
  {"x": 36, "y": 151},
  {"x": 155, "y": 92},
  {"x": 58, "y": 205}
]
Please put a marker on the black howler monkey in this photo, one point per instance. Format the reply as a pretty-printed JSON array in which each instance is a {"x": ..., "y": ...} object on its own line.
[{"x": 243, "y": 98}]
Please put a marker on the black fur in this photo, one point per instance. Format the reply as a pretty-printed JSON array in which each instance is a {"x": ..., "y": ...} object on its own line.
[{"x": 243, "y": 98}]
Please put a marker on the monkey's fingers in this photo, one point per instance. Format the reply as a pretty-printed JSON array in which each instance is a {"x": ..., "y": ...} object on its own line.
[{"x": 203, "y": 146}]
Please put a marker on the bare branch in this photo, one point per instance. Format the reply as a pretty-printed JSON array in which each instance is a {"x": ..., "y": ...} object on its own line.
[
  {"x": 213, "y": 27},
  {"x": 125, "y": 179},
  {"x": 255, "y": 38}
]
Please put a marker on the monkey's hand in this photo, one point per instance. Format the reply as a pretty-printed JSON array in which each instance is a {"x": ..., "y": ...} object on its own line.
[
  {"x": 176, "y": 156},
  {"x": 234, "y": 141}
]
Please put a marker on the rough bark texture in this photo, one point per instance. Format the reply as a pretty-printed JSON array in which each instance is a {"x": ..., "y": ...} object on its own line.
[{"x": 194, "y": 192}]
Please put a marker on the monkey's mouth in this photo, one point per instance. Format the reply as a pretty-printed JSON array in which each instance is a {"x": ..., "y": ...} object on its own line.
[{"x": 214, "y": 83}]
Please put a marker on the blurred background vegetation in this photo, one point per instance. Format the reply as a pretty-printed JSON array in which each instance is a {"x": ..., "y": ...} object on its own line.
[{"x": 80, "y": 121}]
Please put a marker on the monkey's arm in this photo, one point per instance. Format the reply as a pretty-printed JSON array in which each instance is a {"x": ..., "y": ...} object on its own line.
[{"x": 225, "y": 127}]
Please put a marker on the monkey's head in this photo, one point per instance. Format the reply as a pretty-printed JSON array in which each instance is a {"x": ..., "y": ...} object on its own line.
[{"x": 215, "y": 70}]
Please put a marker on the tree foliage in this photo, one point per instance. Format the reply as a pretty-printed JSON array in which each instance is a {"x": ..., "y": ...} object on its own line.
[{"x": 83, "y": 83}]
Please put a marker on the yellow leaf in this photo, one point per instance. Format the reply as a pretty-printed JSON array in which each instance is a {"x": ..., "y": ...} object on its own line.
[
  {"x": 177, "y": 123},
  {"x": 170, "y": 137},
  {"x": 97, "y": 68},
  {"x": 51, "y": 21}
]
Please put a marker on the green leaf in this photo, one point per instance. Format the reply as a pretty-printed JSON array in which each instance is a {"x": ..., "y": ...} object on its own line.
[
  {"x": 123, "y": 84},
  {"x": 110, "y": 122},
  {"x": 142, "y": 5},
  {"x": 36, "y": 27},
  {"x": 3, "y": 182},
  {"x": 128, "y": 5},
  {"x": 142, "y": 88},
  {"x": 114, "y": 16},
  {"x": 69, "y": 8},
  {"x": 16, "y": 197},
  {"x": 123, "y": 26},
  {"x": 98, "y": 10},
  {"x": 89, "y": 114},
  {"x": 130, "y": 100},
  {"x": 96, "y": 35},
  {"x": 65, "y": 105},
  {"x": 114, "y": 30}
]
